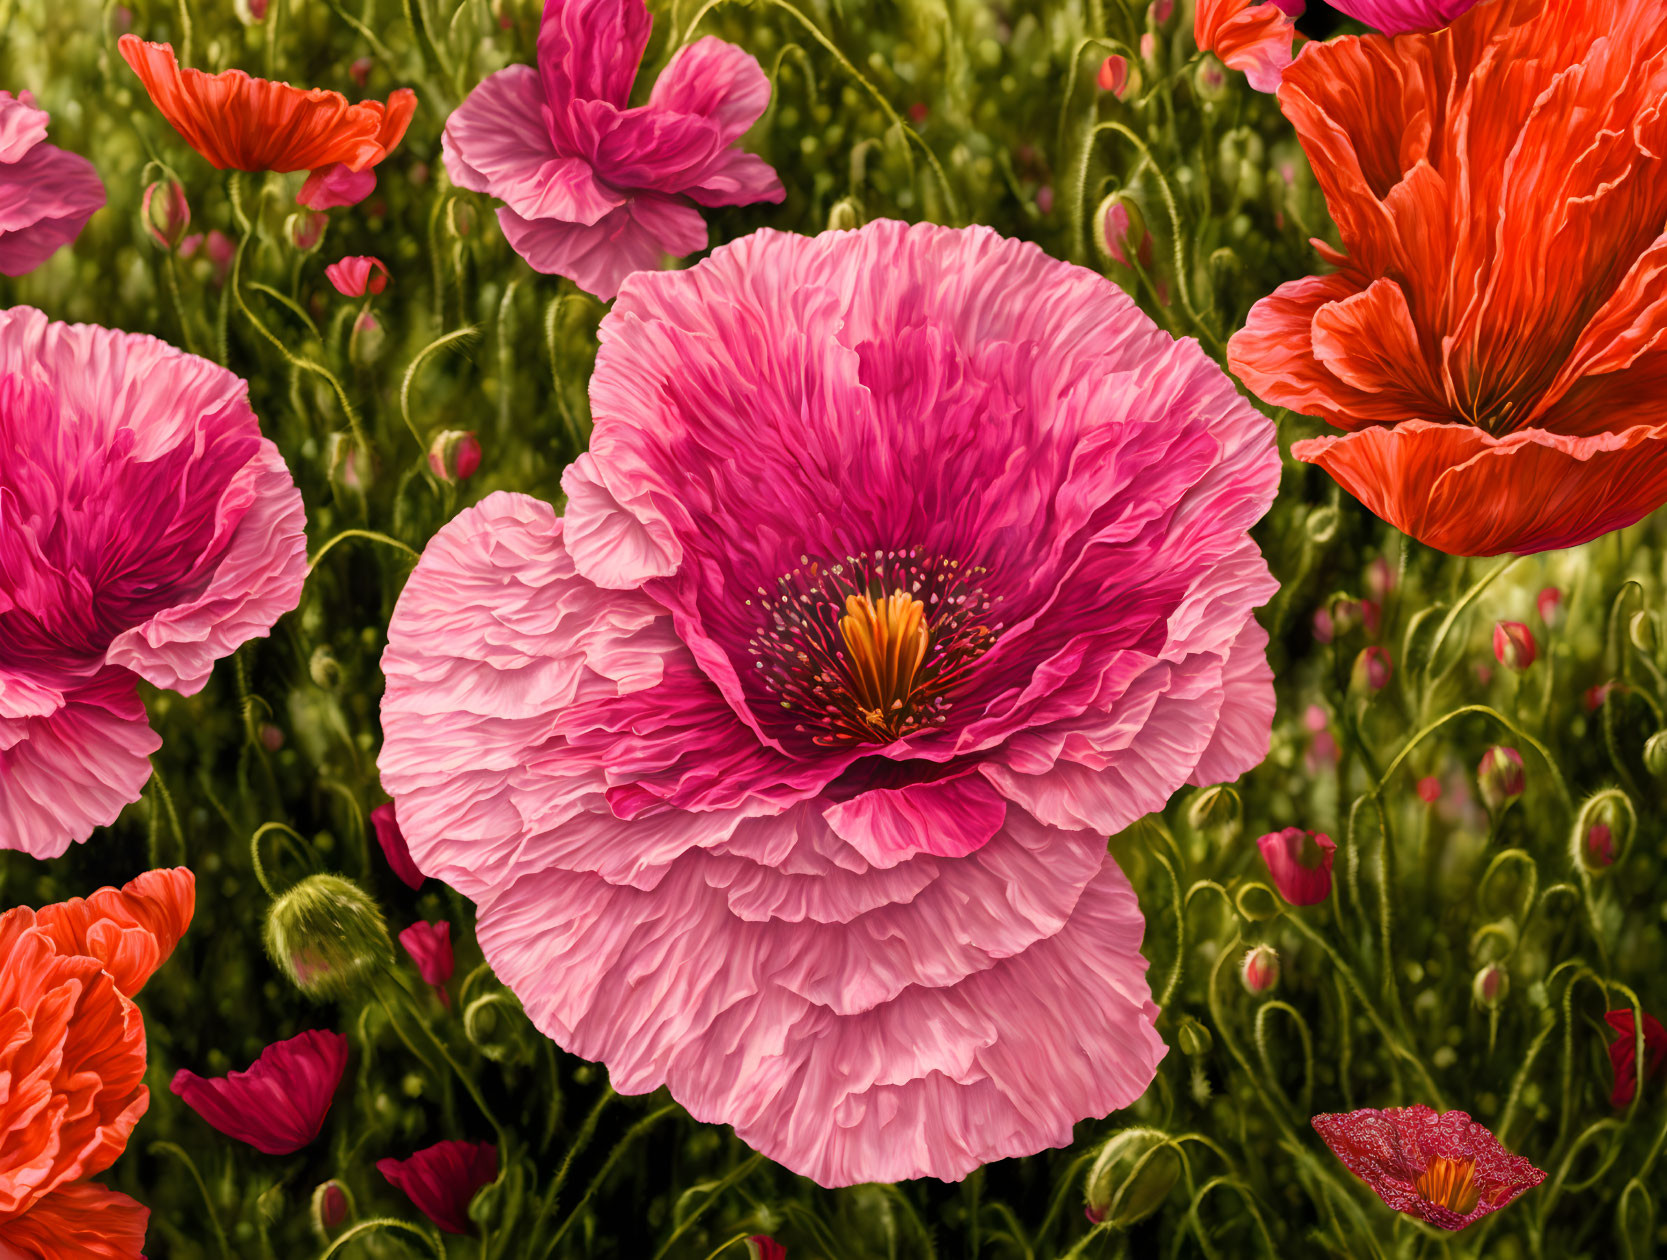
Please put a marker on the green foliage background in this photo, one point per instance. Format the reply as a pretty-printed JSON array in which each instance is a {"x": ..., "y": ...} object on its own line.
[{"x": 959, "y": 111}]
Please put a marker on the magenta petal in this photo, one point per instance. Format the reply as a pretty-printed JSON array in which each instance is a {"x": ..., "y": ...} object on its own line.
[
  {"x": 714, "y": 80},
  {"x": 443, "y": 1179},
  {"x": 336, "y": 185},
  {"x": 638, "y": 236},
  {"x": 46, "y": 198},
  {"x": 1397, "y": 17},
  {"x": 278, "y": 1104},
  {"x": 429, "y": 945},
  {"x": 590, "y": 49},
  {"x": 1300, "y": 864},
  {"x": 735, "y": 178},
  {"x": 22, "y": 125},
  {"x": 392, "y": 840}
]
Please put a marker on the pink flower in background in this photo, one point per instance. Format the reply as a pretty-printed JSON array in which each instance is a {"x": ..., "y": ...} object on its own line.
[
  {"x": 1444, "y": 1169},
  {"x": 443, "y": 1179},
  {"x": 429, "y": 945},
  {"x": 357, "y": 274},
  {"x": 146, "y": 530},
  {"x": 1396, "y": 17},
  {"x": 906, "y": 564},
  {"x": 392, "y": 840},
  {"x": 46, "y": 194},
  {"x": 1300, "y": 863},
  {"x": 593, "y": 190},
  {"x": 278, "y": 1103}
]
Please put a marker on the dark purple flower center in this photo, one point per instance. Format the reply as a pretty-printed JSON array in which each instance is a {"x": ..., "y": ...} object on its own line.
[{"x": 874, "y": 647}]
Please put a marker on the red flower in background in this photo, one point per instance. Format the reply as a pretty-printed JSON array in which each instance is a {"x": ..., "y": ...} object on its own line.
[
  {"x": 443, "y": 1179},
  {"x": 1623, "y": 1053},
  {"x": 1492, "y": 336},
  {"x": 1444, "y": 1169},
  {"x": 278, "y": 1103},
  {"x": 242, "y": 123}
]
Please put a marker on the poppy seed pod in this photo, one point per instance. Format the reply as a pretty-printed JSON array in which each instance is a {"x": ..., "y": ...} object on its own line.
[
  {"x": 327, "y": 936},
  {"x": 1131, "y": 1177}
]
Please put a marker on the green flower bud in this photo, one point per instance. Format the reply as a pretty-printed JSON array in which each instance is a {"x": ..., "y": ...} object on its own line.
[
  {"x": 1322, "y": 524},
  {"x": 1655, "y": 753},
  {"x": 1216, "y": 812},
  {"x": 845, "y": 216},
  {"x": 1602, "y": 829},
  {"x": 327, "y": 936},
  {"x": 1210, "y": 79},
  {"x": 1644, "y": 630},
  {"x": 1131, "y": 1177},
  {"x": 1193, "y": 1038},
  {"x": 1490, "y": 986},
  {"x": 324, "y": 668}
]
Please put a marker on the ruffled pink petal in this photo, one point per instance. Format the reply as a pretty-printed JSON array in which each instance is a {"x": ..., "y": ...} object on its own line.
[
  {"x": 590, "y": 49},
  {"x": 949, "y": 818},
  {"x": 638, "y": 236},
  {"x": 64, "y": 773},
  {"x": 46, "y": 198},
  {"x": 22, "y": 125},
  {"x": 1245, "y": 728},
  {"x": 714, "y": 80},
  {"x": 736, "y": 178},
  {"x": 336, "y": 185}
]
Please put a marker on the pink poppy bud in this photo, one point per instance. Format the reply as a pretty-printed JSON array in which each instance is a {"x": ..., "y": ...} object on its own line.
[
  {"x": 360, "y": 70},
  {"x": 1148, "y": 47},
  {"x": 1373, "y": 668},
  {"x": 271, "y": 738},
  {"x": 1325, "y": 629},
  {"x": 454, "y": 455},
  {"x": 1300, "y": 863},
  {"x": 1380, "y": 574},
  {"x": 1114, "y": 75},
  {"x": 256, "y": 9},
  {"x": 1316, "y": 719},
  {"x": 1499, "y": 777},
  {"x": 1044, "y": 198},
  {"x": 367, "y": 340},
  {"x": 1371, "y": 616},
  {"x": 1347, "y": 615},
  {"x": 429, "y": 945},
  {"x": 1429, "y": 789},
  {"x": 350, "y": 465},
  {"x": 1595, "y": 696},
  {"x": 1490, "y": 986},
  {"x": 1161, "y": 10},
  {"x": 165, "y": 212},
  {"x": 305, "y": 229},
  {"x": 1600, "y": 846},
  {"x": 1124, "y": 231},
  {"x": 278, "y": 1104},
  {"x": 1210, "y": 79},
  {"x": 763, "y": 1247},
  {"x": 443, "y": 1179},
  {"x": 918, "y": 112},
  {"x": 1484, "y": 673},
  {"x": 1549, "y": 604},
  {"x": 1260, "y": 970},
  {"x": 356, "y": 273},
  {"x": 392, "y": 840},
  {"x": 331, "y": 1207},
  {"x": 1513, "y": 645}
]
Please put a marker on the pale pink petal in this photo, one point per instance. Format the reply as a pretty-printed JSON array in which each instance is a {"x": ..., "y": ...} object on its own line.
[
  {"x": 22, "y": 125},
  {"x": 65, "y": 773},
  {"x": 638, "y": 236},
  {"x": 736, "y": 178}
]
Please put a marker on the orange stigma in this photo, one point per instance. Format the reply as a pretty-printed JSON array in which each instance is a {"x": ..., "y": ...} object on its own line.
[
  {"x": 885, "y": 641},
  {"x": 1450, "y": 1183}
]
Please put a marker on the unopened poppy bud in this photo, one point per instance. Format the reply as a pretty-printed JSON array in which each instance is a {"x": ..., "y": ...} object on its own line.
[
  {"x": 1215, "y": 812},
  {"x": 1373, "y": 668},
  {"x": 1161, "y": 11},
  {"x": 1114, "y": 76},
  {"x": 1148, "y": 48},
  {"x": 763, "y": 1247},
  {"x": 1429, "y": 789},
  {"x": 1513, "y": 645},
  {"x": 349, "y": 464},
  {"x": 1242, "y": 159},
  {"x": 1602, "y": 829},
  {"x": 1380, "y": 578},
  {"x": 845, "y": 216},
  {"x": 1499, "y": 777},
  {"x": 1490, "y": 986},
  {"x": 1323, "y": 522},
  {"x": 251, "y": 12},
  {"x": 1193, "y": 1038},
  {"x": 366, "y": 342},
  {"x": 1131, "y": 1177},
  {"x": 1325, "y": 630},
  {"x": 165, "y": 212},
  {"x": 324, "y": 668},
  {"x": 1347, "y": 615},
  {"x": 1655, "y": 753},
  {"x": 1123, "y": 230},
  {"x": 332, "y": 1205},
  {"x": 1644, "y": 630},
  {"x": 1599, "y": 848},
  {"x": 454, "y": 455},
  {"x": 1300, "y": 863},
  {"x": 327, "y": 936},
  {"x": 360, "y": 70},
  {"x": 1260, "y": 970},
  {"x": 1210, "y": 79},
  {"x": 1549, "y": 604},
  {"x": 305, "y": 229},
  {"x": 271, "y": 738}
]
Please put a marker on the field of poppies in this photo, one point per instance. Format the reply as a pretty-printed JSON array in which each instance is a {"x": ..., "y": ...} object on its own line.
[{"x": 826, "y": 629}]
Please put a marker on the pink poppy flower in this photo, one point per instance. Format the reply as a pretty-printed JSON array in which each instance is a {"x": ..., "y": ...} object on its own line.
[
  {"x": 429, "y": 945},
  {"x": 906, "y": 564},
  {"x": 443, "y": 1179},
  {"x": 46, "y": 194},
  {"x": 593, "y": 190},
  {"x": 278, "y": 1103},
  {"x": 356, "y": 274},
  {"x": 1623, "y": 1053},
  {"x": 1444, "y": 1169},
  {"x": 1300, "y": 863},
  {"x": 146, "y": 530},
  {"x": 392, "y": 840},
  {"x": 1396, "y": 17}
]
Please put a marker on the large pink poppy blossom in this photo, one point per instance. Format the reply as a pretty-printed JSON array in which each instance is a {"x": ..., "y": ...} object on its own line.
[
  {"x": 146, "y": 529},
  {"x": 592, "y": 189},
  {"x": 906, "y": 564},
  {"x": 1443, "y": 1168},
  {"x": 278, "y": 1103},
  {"x": 46, "y": 194}
]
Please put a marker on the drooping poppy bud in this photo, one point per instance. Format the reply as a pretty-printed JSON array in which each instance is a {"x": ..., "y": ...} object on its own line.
[
  {"x": 1549, "y": 604},
  {"x": 332, "y": 1205},
  {"x": 394, "y": 848},
  {"x": 1131, "y": 1177},
  {"x": 1215, "y": 812},
  {"x": 1193, "y": 1038},
  {"x": 1260, "y": 970},
  {"x": 278, "y": 1103},
  {"x": 1161, "y": 11},
  {"x": 454, "y": 455},
  {"x": 1513, "y": 645},
  {"x": 1123, "y": 229},
  {"x": 1490, "y": 986},
  {"x": 1300, "y": 863},
  {"x": 443, "y": 1179},
  {"x": 1499, "y": 777},
  {"x": 429, "y": 945},
  {"x": 1623, "y": 1053},
  {"x": 1114, "y": 75},
  {"x": 165, "y": 212},
  {"x": 349, "y": 463},
  {"x": 1347, "y": 614},
  {"x": 327, "y": 936},
  {"x": 1599, "y": 846},
  {"x": 1373, "y": 668}
]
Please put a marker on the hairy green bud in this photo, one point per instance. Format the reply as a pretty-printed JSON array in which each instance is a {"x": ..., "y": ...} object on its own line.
[{"x": 327, "y": 935}]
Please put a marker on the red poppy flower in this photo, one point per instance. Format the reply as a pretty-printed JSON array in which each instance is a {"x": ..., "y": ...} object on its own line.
[
  {"x": 1493, "y": 335},
  {"x": 278, "y": 1103},
  {"x": 1445, "y": 1169},
  {"x": 1623, "y": 1053},
  {"x": 242, "y": 123},
  {"x": 429, "y": 945},
  {"x": 443, "y": 1179}
]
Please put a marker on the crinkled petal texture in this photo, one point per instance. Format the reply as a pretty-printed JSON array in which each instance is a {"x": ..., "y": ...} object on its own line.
[
  {"x": 146, "y": 529},
  {"x": 242, "y": 123},
  {"x": 880, "y": 936},
  {"x": 278, "y": 1103},
  {"x": 1493, "y": 335},
  {"x": 72, "y": 1063},
  {"x": 594, "y": 190},
  {"x": 1396, "y": 17},
  {"x": 46, "y": 194},
  {"x": 130, "y": 930},
  {"x": 1389, "y": 1150},
  {"x": 80, "y": 1221}
]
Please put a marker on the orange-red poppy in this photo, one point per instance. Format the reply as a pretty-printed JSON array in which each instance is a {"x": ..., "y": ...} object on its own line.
[
  {"x": 1254, "y": 38},
  {"x": 242, "y": 123},
  {"x": 72, "y": 1062},
  {"x": 1494, "y": 336}
]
